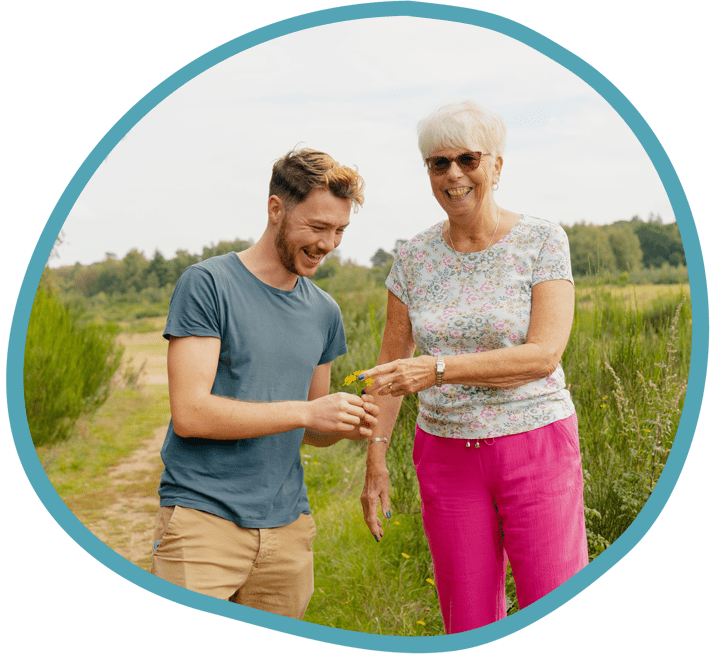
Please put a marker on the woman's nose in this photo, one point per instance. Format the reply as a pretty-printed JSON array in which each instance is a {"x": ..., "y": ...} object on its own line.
[{"x": 454, "y": 171}]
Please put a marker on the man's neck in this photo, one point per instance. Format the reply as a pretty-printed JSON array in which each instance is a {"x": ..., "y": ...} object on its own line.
[{"x": 262, "y": 261}]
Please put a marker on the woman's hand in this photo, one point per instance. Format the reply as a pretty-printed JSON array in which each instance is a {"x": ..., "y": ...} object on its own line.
[
  {"x": 376, "y": 490},
  {"x": 402, "y": 377}
]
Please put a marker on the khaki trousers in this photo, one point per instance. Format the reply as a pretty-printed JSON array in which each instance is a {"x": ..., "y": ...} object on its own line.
[{"x": 270, "y": 569}]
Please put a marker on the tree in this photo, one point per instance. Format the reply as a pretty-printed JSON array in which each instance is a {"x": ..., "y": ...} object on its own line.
[
  {"x": 223, "y": 247},
  {"x": 626, "y": 246},
  {"x": 132, "y": 271},
  {"x": 381, "y": 258},
  {"x": 160, "y": 268},
  {"x": 591, "y": 249},
  {"x": 68, "y": 367},
  {"x": 659, "y": 242}
]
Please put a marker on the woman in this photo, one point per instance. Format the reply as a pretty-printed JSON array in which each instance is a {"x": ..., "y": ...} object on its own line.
[{"x": 487, "y": 298}]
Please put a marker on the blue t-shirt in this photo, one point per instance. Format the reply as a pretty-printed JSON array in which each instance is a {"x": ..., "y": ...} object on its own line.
[{"x": 272, "y": 341}]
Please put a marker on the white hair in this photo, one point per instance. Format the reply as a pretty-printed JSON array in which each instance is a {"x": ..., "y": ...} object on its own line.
[{"x": 462, "y": 125}]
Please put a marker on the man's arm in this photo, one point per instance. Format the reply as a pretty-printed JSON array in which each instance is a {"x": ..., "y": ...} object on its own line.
[
  {"x": 191, "y": 367},
  {"x": 320, "y": 388}
]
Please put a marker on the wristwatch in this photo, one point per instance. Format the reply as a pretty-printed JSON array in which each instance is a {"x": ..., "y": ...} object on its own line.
[{"x": 440, "y": 366}]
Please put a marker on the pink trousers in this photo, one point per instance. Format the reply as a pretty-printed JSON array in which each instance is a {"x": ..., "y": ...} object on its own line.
[{"x": 519, "y": 496}]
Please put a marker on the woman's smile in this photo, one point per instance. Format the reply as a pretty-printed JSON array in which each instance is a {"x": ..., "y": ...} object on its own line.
[{"x": 458, "y": 194}]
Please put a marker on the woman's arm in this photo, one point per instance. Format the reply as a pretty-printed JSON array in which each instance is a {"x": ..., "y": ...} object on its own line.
[
  {"x": 552, "y": 305},
  {"x": 397, "y": 343}
]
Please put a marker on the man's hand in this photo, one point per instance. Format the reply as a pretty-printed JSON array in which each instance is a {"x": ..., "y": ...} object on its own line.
[
  {"x": 338, "y": 412},
  {"x": 368, "y": 423}
]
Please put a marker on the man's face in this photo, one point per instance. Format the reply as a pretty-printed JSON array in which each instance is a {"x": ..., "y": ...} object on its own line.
[{"x": 311, "y": 231}]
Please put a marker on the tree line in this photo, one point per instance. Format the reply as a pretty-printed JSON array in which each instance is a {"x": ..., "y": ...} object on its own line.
[{"x": 623, "y": 246}]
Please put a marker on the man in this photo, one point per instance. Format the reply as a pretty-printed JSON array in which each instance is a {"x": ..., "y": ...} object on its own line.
[{"x": 251, "y": 342}]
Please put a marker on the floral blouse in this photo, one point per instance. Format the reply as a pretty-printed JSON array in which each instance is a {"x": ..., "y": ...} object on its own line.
[{"x": 463, "y": 303}]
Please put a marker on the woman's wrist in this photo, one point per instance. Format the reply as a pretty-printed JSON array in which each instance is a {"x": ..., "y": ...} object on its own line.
[{"x": 439, "y": 368}]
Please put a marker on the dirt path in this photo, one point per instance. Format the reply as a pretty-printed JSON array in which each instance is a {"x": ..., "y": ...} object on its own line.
[
  {"x": 128, "y": 519},
  {"x": 127, "y": 523}
]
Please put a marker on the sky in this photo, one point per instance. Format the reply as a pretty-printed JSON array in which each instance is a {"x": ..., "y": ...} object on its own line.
[{"x": 195, "y": 170}]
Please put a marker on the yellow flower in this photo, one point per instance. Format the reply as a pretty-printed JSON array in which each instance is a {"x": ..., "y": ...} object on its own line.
[
  {"x": 353, "y": 379},
  {"x": 430, "y": 581},
  {"x": 421, "y": 623},
  {"x": 405, "y": 555}
]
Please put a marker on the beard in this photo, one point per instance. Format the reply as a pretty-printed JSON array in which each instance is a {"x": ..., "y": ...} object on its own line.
[{"x": 286, "y": 255}]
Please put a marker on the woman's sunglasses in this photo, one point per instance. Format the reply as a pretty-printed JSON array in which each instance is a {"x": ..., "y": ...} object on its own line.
[{"x": 467, "y": 161}]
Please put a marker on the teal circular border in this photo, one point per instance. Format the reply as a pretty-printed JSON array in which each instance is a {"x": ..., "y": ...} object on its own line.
[{"x": 443, "y": 643}]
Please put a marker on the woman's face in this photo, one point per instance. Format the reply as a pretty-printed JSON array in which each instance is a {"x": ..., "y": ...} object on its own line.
[{"x": 462, "y": 193}]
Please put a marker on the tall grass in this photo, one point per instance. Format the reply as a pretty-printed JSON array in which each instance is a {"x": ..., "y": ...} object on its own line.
[
  {"x": 626, "y": 365},
  {"x": 67, "y": 369}
]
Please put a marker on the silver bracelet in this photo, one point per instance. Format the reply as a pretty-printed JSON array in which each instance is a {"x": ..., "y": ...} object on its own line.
[{"x": 384, "y": 439}]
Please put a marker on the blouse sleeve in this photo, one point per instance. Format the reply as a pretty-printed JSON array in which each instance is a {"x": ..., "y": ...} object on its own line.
[
  {"x": 397, "y": 282},
  {"x": 554, "y": 258}
]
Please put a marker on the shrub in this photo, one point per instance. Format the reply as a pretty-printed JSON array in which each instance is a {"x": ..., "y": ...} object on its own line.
[{"x": 67, "y": 370}]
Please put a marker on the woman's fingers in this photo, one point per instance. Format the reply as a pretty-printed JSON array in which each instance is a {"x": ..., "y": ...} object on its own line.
[
  {"x": 402, "y": 376},
  {"x": 383, "y": 378},
  {"x": 376, "y": 490}
]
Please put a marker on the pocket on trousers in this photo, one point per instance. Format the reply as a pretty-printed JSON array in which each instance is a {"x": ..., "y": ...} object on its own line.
[
  {"x": 419, "y": 442},
  {"x": 164, "y": 518},
  {"x": 568, "y": 428}
]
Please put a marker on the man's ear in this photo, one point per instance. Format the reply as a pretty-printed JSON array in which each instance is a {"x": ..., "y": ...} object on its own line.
[{"x": 275, "y": 210}]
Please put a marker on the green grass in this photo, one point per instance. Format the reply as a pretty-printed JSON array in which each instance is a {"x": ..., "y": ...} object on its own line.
[
  {"x": 77, "y": 468},
  {"x": 382, "y": 588},
  {"x": 362, "y": 585}
]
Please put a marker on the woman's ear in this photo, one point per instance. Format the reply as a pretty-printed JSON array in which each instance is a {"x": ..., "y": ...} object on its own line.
[{"x": 498, "y": 165}]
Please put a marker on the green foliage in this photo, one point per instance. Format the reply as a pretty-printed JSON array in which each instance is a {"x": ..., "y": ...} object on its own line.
[
  {"x": 625, "y": 246},
  {"x": 67, "y": 370},
  {"x": 659, "y": 243},
  {"x": 625, "y": 330},
  {"x": 360, "y": 585},
  {"x": 223, "y": 247}
]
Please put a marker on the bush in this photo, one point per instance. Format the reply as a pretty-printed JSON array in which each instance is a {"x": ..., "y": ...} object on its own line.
[{"x": 68, "y": 367}]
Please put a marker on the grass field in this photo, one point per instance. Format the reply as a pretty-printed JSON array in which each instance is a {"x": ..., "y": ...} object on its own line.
[{"x": 108, "y": 472}]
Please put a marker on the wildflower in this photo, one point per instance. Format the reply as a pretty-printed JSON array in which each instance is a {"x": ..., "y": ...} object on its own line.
[
  {"x": 421, "y": 623},
  {"x": 353, "y": 379},
  {"x": 430, "y": 581},
  {"x": 405, "y": 555}
]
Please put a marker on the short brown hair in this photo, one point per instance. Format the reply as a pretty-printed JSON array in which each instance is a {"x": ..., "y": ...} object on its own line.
[{"x": 299, "y": 172}]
